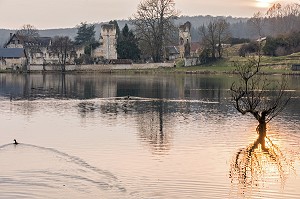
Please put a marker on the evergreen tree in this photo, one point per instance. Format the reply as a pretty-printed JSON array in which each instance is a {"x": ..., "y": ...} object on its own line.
[
  {"x": 127, "y": 46},
  {"x": 86, "y": 37},
  {"x": 85, "y": 34}
]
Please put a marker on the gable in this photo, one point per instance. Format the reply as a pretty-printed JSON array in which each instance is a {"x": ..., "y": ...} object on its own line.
[
  {"x": 13, "y": 40},
  {"x": 26, "y": 41},
  {"x": 172, "y": 50}
]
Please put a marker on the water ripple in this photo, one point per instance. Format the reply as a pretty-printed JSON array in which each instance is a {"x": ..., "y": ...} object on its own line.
[{"x": 42, "y": 169}]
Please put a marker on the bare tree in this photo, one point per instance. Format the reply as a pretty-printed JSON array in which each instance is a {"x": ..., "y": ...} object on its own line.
[
  {"x": 257, "y": 22},
  {"x": 222, "y": 34},
  {"x": 154, "y": 25},
  {"x": 256, "y": 95},
  {"x": 63, "y": 48},
  {"x": 214, "y": 35},
  {"x": 209, "y": 37},
  {"x": 28, "y": 30},
  {"x": 284, "y": 18},
  {"x": 253, "y": 93}
]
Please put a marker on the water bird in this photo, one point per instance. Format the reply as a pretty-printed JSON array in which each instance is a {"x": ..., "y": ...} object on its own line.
[
  {"x": 128, "y": 97},
  {"x": 15, "y": 142}
]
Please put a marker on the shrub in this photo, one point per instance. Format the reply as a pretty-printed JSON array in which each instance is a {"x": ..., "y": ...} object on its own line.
[
  {"x": 249, "y": 48},
  {"x": 234, "y": 41},
  {"x": 282, "y": 45}
]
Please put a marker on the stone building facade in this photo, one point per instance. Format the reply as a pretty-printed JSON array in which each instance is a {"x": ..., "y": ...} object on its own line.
[
  {"x": 185, "y": 39},
  {"x": 108, "y": 42},
  {"x": 12, "y": 58},
  {"x": 36, "y": 48}
]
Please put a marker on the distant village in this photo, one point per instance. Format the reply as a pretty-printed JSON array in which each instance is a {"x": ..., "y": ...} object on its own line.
[
  {"x": 154, "y": 43},
  {"x": 27, "y": 53},
  {"x": 21, "y": 52}
]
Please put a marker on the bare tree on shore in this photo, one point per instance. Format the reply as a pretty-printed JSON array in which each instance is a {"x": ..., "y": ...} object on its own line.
[
  {"x": 214, "y": 35},
  {"x": 258, "y": 22},
  {"x": 63, "y": 48},
  {"x": 28, "y": 30},
  {"x": 154, "y": 25}
]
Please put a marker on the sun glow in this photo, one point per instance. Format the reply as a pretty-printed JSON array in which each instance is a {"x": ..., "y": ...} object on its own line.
[{"x": 264, "y": 3}]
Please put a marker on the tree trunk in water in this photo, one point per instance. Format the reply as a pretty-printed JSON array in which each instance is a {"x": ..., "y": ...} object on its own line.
[
  {"x": 262, "y": 133},
  {"x": 63, "y": 68}
]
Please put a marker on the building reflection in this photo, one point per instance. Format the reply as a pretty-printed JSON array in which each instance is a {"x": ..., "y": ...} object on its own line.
[
  {"x": 90, "y": 86},
  {"x": 259, "y": 164}
]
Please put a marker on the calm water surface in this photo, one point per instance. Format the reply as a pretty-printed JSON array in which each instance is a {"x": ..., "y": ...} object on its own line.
[{"x": 175, "y": 136}]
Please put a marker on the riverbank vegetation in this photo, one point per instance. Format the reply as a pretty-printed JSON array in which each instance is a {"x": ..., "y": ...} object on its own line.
[{"x": 269, "y": 65}]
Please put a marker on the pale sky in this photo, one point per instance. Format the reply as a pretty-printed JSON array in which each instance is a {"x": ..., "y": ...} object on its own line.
[{"x": 68, "y": 13}]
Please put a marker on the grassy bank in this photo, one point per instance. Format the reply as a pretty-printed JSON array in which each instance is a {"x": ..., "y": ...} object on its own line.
[{"x": 270, "y": 65}]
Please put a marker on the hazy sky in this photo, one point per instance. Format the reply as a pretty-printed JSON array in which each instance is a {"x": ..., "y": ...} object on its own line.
[{"x": 68, "y": 13}]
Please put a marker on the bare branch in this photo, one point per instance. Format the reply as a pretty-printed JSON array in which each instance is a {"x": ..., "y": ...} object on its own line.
[
  {"x": 256, "y": 95},
  {"x": 154, "y": 26}
]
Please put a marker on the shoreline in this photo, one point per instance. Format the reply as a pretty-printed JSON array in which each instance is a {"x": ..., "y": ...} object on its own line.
[
  {"x": 276, "y": 66},
  {"x": 182, "y": 70}
]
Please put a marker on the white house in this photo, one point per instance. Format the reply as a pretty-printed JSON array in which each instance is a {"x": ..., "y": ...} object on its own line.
[
  {"x": 12, "y": 58},
  {"x": 37, "y": 49}
]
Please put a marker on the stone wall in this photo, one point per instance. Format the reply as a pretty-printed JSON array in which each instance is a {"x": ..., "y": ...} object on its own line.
[
  {"x": 98, "y": 67},
  {"x": 191, "y": 61},
  {"x": 14, "y": 64}
]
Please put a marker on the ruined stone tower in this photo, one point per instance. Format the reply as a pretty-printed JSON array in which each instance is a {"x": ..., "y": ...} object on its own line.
[
  {"x": 185, "y": 39},
  {"x": 108, "y": 42}
]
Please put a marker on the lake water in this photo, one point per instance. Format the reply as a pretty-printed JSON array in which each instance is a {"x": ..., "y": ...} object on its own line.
[{"x": 140, "y": 136}]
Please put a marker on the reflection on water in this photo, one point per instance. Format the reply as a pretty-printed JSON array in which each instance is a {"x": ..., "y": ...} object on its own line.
[
  {"x": 151, "y": 122},
  {"x": 89, "y": 86},
  {"x": 259, "y": 164},
  {"x": 140, "y": 136},
  {"x": 153, "y": 130}
]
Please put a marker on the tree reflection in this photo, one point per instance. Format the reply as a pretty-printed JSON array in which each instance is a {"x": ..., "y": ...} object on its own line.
[
  {"x": 260, "y": 162},
  {"x": 86, "y": 107},
  {"x": 152, "y": 119},
  {"x": 153, "y": 129}
]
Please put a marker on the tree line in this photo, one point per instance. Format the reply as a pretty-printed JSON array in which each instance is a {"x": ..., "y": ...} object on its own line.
[
  {"x": 155, "y": 26},
  {"x": 279, "y": 27}
]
